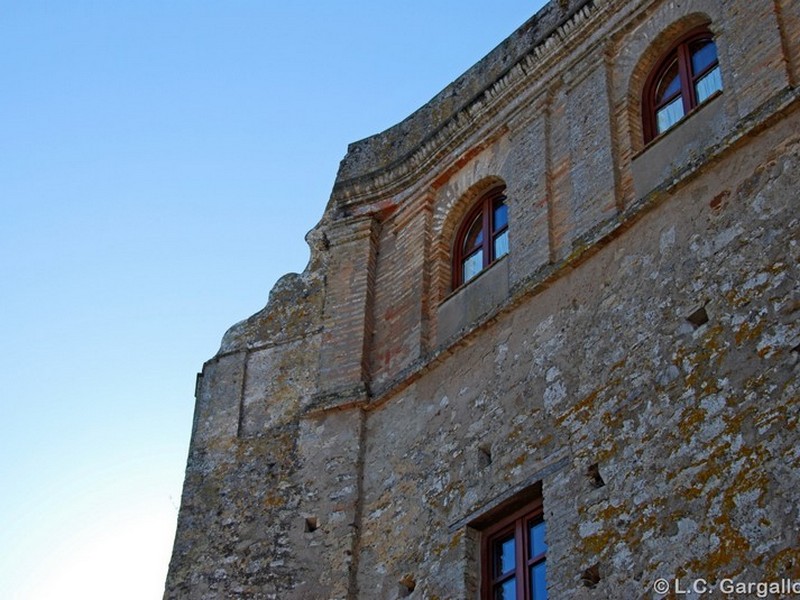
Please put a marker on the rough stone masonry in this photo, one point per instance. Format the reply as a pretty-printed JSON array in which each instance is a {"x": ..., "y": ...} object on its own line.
[{"x": 633, "y": 360}]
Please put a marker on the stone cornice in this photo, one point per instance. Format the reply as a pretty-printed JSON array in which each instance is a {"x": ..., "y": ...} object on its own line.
[{"x": 400, "y": 173}]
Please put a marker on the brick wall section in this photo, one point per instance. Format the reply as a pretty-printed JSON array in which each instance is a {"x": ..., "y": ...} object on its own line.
[
  {"x": 528, "y": 197},
  {"x": 343, "y": 449},
  {"x": 758, "y": 66},
  {"x": 788, "y": 13},
  {"x": 561, "y": 182},
  {"x": 400, "y": 288},
  {"x": 347, "y": 321},
  {"x": 592, "y": 199}
]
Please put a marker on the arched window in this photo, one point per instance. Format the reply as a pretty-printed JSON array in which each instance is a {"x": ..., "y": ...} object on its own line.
[
  {"x": 482, "y": 237},
  {"x": 685, "y": 78}
]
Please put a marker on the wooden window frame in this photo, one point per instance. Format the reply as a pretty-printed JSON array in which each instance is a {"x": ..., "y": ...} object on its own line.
[
  {"x": 516, "y": 522},
  {"x": 688, "y": 79},
  {"x": 484, "y": 207}
]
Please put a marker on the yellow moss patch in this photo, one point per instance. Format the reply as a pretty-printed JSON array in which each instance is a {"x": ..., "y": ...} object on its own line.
[
  {"x": 732, "y": 549},
  {"x": 746, "y": 332},
  {"x": 456, "y": 539},
  {"x": 692, "y": 419},
  {"x": 785, "y": 563},
  {"x": 587, "y": 405},
  {"x": 596, "y": 543},
  {"x": 273, "y": 501},
  {"x": 519, "y": 460}
]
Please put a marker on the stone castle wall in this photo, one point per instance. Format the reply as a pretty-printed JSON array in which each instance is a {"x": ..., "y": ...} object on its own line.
[{"x": 642, "y": 333}]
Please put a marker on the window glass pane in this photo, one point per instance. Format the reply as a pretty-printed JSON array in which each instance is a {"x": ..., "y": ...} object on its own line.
[
  {"x": 473, "y": 265},
  {"x": 704, "y": 53},
  {"x": 669, "y": 83},
  {"x": 501, "y": 245},
  {"x": 538, "y": 583},
  {"x": 500, "y": 215},
  {"x": 669, "y": 115},
  {"x": 505, "y": 556},
  {"x": 708, "y": 84},
  {"x": 474, "y": 237},
  {"x": 537, "y": 543},
  {"x": 506, "y": 590}
]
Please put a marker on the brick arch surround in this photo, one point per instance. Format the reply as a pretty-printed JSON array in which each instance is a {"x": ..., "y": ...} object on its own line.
[
  {"x": 445, "y": 224},
  {"x": 633, "y": 52}
]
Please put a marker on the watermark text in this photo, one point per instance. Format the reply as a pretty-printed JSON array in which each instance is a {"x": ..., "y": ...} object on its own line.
[{"x": 753, "y": 589}]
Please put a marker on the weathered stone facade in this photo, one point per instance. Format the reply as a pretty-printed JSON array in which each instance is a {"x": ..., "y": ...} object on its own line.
[{"x": 349, "y": 437}]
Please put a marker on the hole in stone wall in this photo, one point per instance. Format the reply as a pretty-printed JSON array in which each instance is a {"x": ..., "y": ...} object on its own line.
[
  {"x": 407, "y": 585},
  {"x": 698, "y": 317},
  {"x": 719, "y": 201},
  {"x": 591, "y": 576},
  {"x": 312, "y": 524},
  {"x": 484, "y": 456},
  {"x": 593, "y": 473},
  {"x": 796, "y": 348}
]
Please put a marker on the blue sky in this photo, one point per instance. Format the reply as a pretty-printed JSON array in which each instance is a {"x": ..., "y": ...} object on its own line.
[{"x": 160, "y": 163}]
